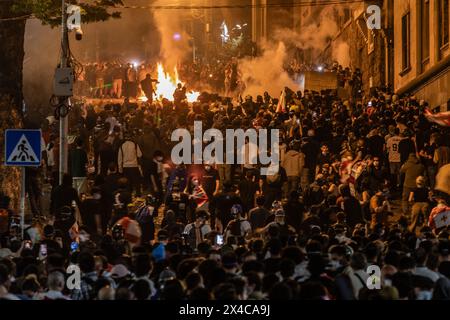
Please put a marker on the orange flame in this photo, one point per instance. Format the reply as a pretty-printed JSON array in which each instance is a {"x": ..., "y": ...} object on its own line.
[{"x": 167, "y": 85}]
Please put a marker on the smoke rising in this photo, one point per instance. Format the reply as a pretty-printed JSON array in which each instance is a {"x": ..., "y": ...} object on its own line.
[
  {"x": 133, "y": 37},
  {"x": 314, "y": 36},
  {"x": 173, "y": 49},
  {"x": 266, "y": 73},
  {"x": 341, "y": 53}
]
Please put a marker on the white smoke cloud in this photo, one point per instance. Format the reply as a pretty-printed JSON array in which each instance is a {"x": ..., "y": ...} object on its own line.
[
  {"x": 315, "y": 34},
  {"x": 341, "y": 53},
  {"x": 169, "y": 23},
  {"x": 266, "y": 73}
]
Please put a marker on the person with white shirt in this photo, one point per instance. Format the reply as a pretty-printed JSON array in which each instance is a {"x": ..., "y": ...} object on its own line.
[
  {"x": 394, "y": 156},
  {"x": 128, "y": 158}
]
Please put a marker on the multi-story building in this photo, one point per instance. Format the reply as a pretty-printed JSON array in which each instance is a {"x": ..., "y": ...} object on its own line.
[
  {"x": 269, "y": 16},
  {"x": 422, "y": 50},
  {"x": 410, "y": 53},
  {"x": 357, "y": 46}
]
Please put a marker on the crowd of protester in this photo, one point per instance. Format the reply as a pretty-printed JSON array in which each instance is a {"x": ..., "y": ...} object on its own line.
[
  {"x": 360, "y": 184},
  {"x": 118, "y": 80}
]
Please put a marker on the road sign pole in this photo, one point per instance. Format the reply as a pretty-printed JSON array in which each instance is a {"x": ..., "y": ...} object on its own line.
[{"x": 22, "y": 202}]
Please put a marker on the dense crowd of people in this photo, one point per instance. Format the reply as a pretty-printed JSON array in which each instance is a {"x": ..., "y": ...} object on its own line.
[
  {"x": 362, "y": 182},
  {"x": 116, "y": 79}
]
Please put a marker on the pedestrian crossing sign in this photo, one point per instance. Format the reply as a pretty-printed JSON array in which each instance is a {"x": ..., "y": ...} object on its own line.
[{"x": 23, "y": 147}]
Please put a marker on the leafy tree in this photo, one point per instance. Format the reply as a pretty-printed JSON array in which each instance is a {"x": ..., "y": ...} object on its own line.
[{"x": 13, "y": 17}]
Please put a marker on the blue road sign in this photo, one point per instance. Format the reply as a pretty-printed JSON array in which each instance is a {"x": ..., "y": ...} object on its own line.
[{"x": 23, "y": 147}]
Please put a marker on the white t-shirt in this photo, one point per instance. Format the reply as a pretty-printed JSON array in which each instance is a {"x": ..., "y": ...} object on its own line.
[{"x": 392, "y": 147}]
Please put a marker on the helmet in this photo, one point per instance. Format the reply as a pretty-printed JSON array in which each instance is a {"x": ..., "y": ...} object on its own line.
[{"x": 236, "y": 209}]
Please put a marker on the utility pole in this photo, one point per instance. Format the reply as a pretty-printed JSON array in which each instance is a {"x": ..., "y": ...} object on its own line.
[{"x": 64, "y": 118}]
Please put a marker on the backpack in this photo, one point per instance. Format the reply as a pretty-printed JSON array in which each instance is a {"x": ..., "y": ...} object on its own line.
[
  {"x": 144, "y": 214},
  {"x": 4, "y": 221},
  {"x": 235, "y": 228}
]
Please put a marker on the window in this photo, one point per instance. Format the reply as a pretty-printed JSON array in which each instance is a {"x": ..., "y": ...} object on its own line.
[
  {"x": 443, "y": 22},
  {"x": 406, "y": 42},
  {"x": 425, "y": 30}
]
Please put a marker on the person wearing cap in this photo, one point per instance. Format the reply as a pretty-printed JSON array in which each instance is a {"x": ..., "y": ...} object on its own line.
[
  {"x": 280, "y": 223},
  {"x": 120, "y": 272},
  {"x": 420, "y": 199}
]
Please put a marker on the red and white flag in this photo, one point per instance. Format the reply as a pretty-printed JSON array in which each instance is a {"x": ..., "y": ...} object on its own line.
[
  {"x": 199, "y": 196},
  {"x": 439, "y": 217},
  {"x": 441, "y": 118}
]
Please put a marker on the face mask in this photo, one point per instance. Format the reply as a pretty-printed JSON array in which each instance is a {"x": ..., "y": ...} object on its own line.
[
  {"x": 159, "y": 159},
  {"x": 376, "y": 163},
  {"x": 207, "y": 168}
]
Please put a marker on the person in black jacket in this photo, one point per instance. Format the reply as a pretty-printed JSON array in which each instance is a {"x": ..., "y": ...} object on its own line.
[
  {"x": 63, "y": 195},
  {"x": 220, "y": 206},
  {"x": 352, "y": 207}
]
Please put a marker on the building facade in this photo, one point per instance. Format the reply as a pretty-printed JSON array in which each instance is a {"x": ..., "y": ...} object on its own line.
[
  {"x": 368, "y": 49},
  {"x": 269, "y": 16},
  {"x": 422, "y": 50}
]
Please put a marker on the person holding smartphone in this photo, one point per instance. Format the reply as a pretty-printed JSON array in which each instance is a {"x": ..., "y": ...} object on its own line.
[{"x": 48, "y": 244}]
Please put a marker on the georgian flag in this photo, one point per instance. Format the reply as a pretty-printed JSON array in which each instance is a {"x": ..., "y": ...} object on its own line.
[
  {"x": 441, "y": 118},
  {"x": 199, "y": 196},
  {"x": 442, "y": 219}
]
